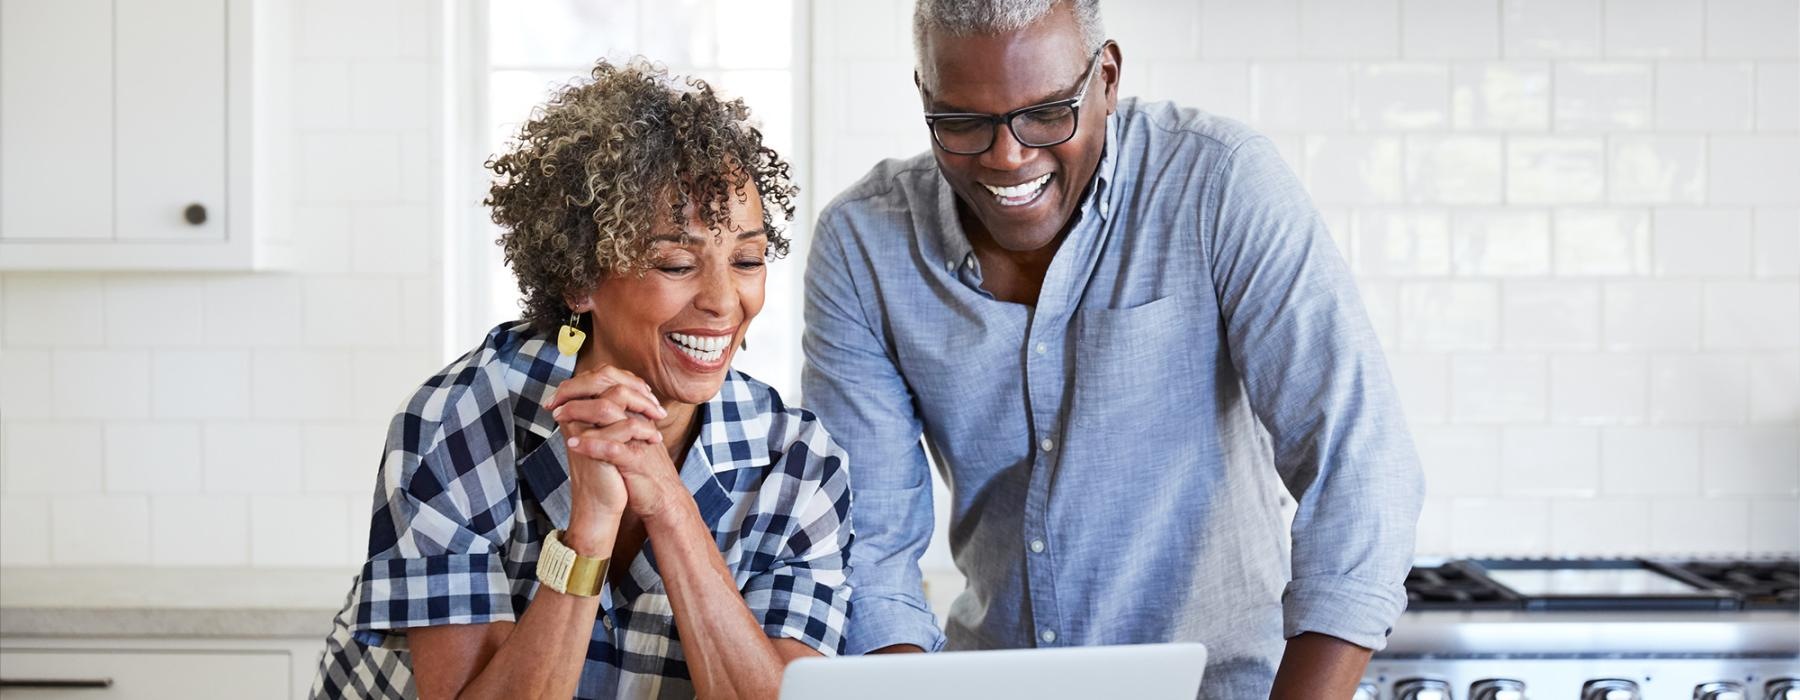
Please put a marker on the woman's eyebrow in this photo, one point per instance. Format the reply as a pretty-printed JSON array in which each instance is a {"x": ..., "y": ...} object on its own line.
[{"x": 683, "y": 239}]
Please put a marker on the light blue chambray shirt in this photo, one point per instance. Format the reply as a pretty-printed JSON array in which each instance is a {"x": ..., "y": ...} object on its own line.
[{"x": 1116, "y": 452}]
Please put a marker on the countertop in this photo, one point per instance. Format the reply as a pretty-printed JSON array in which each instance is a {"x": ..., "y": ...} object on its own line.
[{"x": 146, "y": 602}]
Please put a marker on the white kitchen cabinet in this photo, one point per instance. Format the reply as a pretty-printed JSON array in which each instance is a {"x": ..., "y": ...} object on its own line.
[
  {"x": 139, "y": 135},
  {"x": 154, "y": 669}
]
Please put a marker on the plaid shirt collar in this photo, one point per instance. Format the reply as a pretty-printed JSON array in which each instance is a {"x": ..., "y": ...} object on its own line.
[{"x": 732, "y": 436}]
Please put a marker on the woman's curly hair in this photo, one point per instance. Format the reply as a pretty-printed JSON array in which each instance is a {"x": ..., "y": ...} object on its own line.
[{"x": 606, "y": 161}]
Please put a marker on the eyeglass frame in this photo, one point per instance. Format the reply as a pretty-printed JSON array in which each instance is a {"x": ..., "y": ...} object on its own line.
[{"x": 995, "y": 120}]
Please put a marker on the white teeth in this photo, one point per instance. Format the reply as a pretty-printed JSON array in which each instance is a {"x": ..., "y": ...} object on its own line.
[
  {"x": 705, "y": 348},
  {"x": 1011, "y": 195}
]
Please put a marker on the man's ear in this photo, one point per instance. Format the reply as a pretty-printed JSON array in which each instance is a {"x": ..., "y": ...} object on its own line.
[{"x": 1111, "y": 65}]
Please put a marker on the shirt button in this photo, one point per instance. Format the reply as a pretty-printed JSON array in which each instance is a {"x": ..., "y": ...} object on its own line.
[
  {"x": 1047, "y": 444},
  {"x": 1037, "y": 546},
  {"x": 1042, "y": 348},
  {"x": 949, "y": 265},
  {"x": 606, "y": 622},
  {"x": 1049, "y": 635}
]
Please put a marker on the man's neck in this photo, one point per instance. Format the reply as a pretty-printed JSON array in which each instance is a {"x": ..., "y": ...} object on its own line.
[{"x": 1015, "y": 276}]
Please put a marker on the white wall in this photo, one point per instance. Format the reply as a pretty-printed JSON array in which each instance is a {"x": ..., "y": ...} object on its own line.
[
  {"x": 1576, "y": 224},
  {"x": 236, "y": 419}
]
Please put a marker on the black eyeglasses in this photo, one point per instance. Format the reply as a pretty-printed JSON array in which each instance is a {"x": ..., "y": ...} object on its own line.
[{"x": 1038, "y": 126}]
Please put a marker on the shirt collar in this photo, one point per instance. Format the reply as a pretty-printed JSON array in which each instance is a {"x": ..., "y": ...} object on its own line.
[
  {"x": 733, "y": 435},
  {"x": 955, "y": 242}
]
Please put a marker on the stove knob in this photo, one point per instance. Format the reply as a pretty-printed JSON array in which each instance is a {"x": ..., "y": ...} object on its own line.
[
  {"x": 1367, "y": 691},
  {"x": 1497, "y": 689},
  {"x": 1782, "y": 689},
  {"x": 1719, "y": 690},
  {"x": 1422, "y": 689},
  {"x": 1610, "y": 689}
]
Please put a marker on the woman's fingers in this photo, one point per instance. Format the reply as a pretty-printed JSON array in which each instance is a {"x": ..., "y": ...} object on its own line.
[
  {"x": 610, "y": 407},
  {"x": 610, "y": 443},
  {"x": 593, "y": 384}
]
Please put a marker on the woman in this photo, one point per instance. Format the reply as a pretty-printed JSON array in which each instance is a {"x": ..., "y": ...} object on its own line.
[{"x": 559, "y": 503}]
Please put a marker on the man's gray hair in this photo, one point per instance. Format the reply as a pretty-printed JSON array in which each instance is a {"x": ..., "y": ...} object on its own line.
[{"x": 966, "y": 17}]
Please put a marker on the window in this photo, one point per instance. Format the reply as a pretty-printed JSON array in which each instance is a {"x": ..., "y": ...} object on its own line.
[{"x": 744, "y": 48}]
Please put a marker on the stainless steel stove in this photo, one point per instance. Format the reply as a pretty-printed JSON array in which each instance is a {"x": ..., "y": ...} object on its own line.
[{"x": 1595, "y": 629}]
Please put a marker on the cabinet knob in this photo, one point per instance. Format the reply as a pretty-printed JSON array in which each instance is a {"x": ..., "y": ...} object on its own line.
[{"x": 195, "y": 214}]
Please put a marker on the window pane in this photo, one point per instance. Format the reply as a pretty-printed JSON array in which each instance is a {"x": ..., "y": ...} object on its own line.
[{"x": 537, "y": 33}]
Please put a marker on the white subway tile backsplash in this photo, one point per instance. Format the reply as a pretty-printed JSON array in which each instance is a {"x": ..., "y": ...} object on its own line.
[
  {"x": 350, "y": 312},
  {"x": 153, "y": 311},
  {"x": 197, "y": 530},
  {"x": 1651, "y": 315},
  {"x": 1382, "y": 301},
  {"x": 1699, "y": 525},
  {"x": 1249, "y": 28},
  {"x": 1309, "y": 96},
  {"x": 1550, "y": 28},
  {"x": 1423, "y": 380},
  {"x": 1698, "y": 389},
  {"x": 1777, "y": 245},
  {"x": 290, "y": 530},
  {"x": 1449, "y": 315},
  {"x": 245, "y": 457},
  {"x": 1454, "y": 169},
  {"x": 1598, "y": 526},
  {"x": 99, "y": 530},
  {"x": 349, "y": 166},
  {"x": 200, "y": 384},
  {"x": 383, "y": 380},
  {"x": 1777, "y": 96},
  {"x": 1500, "y": 242},
  {"x": 1435, "y": 528},
  {"x": 1402, "y": 242},
  {"x": 1702, "y": 242},
  {"x": 1154, "y": 29},
  {"x": 391, "y": 95},
  {"x": 1499, "y": 388},
  {"x": 1650, "y": 461},
  {"x": 1656, "y": 169},
  {"x": 51, "y": 456},
  {"x": 1449, "y": 29},
  {"x": 1752, "y": 28},
  {"x": 1345, "y": 168},
  {"x": 1759, "y": 169},
  {"x": 1500, "y": 526},
  {"x": 1603, "y": 97},
  {"x": 1349, "y": 28},
  {"x": 101, "y": 383},
  {"x": 1601, "y": 242},
  {"x": 1490, "y": 96},
  {"x": 1401, "y": 96},
  {"x": 253, "y": 311},
  {"x": 321, "y": 94},
  {"x": 1217, "y": 87},
  {"x": 1559, "y": 315},
  {"x": 1599, "y": 389},
  {"x": 299, "y": 383},
  {"x": 1775, "y": 525},
  {"x": 324, "y": 247},
  {"x": 1559, "y": 461},
  {"x": 24, "y": 524},
  {"x": 1555, "y": 170},
  {"x": 341, "y": 457},
  {"x": 391, "y": 241},
  {"x": 143, "y": 457},
  {"x": 1775, "y": 388},
  {"x": 25, "y": 380},
  {"x": 1696, "y": 96},
  {"x": 1653, "y": 28},
  {"x": 1750, "y": 460},
  {"x": 47, "y": 310},
  {"x": 1459, "y": 460},
  {"x": 1752, "y": 315}
]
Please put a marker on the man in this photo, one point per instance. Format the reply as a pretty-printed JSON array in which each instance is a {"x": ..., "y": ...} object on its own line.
[{"x": 1121, "y": 328}]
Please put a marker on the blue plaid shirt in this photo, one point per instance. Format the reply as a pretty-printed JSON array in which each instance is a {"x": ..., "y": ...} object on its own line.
[{"x": 475, "y": 476}]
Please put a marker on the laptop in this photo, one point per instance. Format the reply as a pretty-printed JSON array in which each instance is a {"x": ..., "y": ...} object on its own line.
[{"x": 1142, "y": 671}]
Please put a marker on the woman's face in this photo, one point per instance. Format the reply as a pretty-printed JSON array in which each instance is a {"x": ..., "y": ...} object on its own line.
[{"x": 678, "y": 324}]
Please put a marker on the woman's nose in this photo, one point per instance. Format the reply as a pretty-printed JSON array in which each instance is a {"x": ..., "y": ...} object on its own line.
[{"x": 717, "y": 294}]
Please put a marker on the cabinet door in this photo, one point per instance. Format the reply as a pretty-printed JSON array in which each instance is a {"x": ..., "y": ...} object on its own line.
[
  {"x": 195, "y": 675},
  {"x": 56, "y": 120},
  {"x": 170, "y": 125}
]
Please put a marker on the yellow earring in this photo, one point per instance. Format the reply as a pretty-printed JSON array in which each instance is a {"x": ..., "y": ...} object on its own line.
[{"x": 570, "y": 340}]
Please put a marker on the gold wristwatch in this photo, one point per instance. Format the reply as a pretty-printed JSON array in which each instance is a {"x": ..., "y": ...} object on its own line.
[{"x": 564, "y": 571}]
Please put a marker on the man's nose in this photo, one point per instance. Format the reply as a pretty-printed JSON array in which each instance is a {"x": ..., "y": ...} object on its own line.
[{"x": 1006, "y": 153}]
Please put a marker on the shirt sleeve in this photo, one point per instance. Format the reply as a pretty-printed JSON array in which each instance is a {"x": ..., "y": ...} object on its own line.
[
  {"x": 806, "y": 596},
  {"x": 1315, "y": 375},
  {"x": 852, "y": 383},
  {"x": 428, "y": 565}
]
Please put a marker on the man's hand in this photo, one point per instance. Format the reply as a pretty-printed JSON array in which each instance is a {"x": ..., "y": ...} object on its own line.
[{"x": 1319, "y": 666}]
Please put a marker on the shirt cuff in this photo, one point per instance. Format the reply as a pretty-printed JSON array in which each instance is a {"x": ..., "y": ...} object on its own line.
[
  {"x": 1355, "y": 610},
  {"x": 883, "y": 622}
]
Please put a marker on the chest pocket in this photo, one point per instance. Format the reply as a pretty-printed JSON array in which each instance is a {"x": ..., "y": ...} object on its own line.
[{"x": 1133, "y": 365}]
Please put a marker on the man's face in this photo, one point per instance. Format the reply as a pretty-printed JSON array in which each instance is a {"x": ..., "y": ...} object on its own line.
[{"x": 1040, "y": 188}]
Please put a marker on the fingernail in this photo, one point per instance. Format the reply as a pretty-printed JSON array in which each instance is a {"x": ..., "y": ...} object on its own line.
[
  {"x": 556, "y": 413},
  {"x": 574, "y": 442}
]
